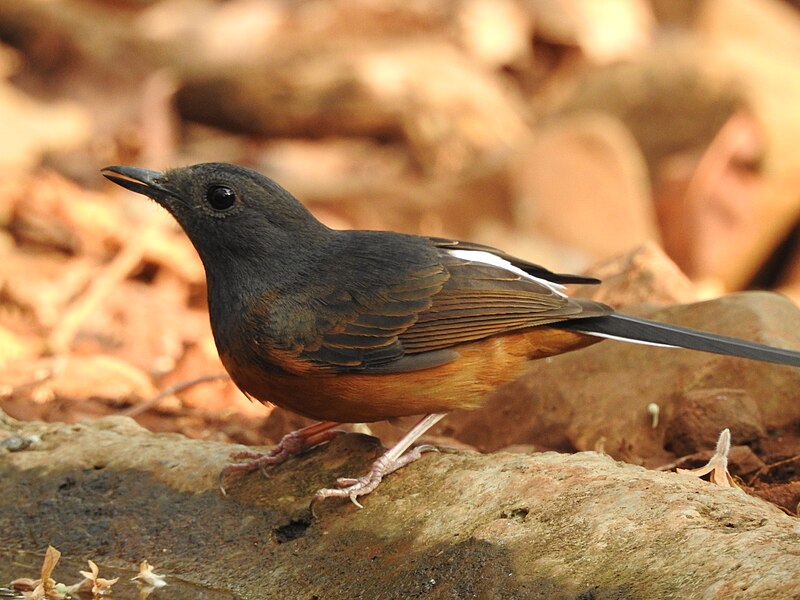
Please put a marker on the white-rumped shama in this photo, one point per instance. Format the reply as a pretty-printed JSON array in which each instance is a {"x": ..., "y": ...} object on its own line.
[{"x": 361, "y": 326}]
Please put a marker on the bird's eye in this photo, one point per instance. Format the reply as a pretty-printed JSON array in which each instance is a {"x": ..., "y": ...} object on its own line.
[{"x": 220, "y": 197}]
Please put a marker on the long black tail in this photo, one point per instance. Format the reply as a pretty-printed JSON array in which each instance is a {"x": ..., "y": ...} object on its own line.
[{"x": 643, "y": 331}]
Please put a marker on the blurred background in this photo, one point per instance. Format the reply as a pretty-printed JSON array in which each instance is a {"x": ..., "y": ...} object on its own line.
[{"x": 567, "y": 132}]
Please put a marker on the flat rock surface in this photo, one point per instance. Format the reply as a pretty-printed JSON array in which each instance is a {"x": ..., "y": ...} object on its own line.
[{"x": 452, "y": 525}]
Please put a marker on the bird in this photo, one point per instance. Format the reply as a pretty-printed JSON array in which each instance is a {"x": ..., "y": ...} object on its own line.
[{"x": 356, "y": 326}]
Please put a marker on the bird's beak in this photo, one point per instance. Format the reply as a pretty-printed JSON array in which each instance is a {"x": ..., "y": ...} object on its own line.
[{"x": 141, "y": 181}]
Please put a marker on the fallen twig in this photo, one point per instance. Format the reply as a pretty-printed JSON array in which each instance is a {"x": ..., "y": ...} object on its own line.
[{"x": 170, "y": 390}]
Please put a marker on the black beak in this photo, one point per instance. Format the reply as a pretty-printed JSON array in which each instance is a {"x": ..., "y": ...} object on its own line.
[{"x": 141, "y": 181}]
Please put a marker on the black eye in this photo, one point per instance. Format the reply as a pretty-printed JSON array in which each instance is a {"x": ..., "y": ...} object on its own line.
[{"x": 220, "y": 197}]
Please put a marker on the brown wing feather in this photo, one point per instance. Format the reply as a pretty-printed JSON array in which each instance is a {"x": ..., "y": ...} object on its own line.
[
  {"x": 418, "y": 321},
  {"x": 370, "y": 340},
  {"x": 480, "y": 300}
]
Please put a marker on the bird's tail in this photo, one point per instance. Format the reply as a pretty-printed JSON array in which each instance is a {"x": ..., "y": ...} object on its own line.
[{"x": 643, "y": 331}]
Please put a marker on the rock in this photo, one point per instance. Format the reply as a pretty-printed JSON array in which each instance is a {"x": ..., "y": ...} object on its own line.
[
  {"x": 450, "y": 525},
  {"x": 709, "y": 203},
  {"x": 449, "y": 112},
  {"x": 697, "y": 415},
  {"x": 756, "y": 43},
  {"x": 582, "y": 182},
  {"x": 742, "y": 461},
  {"x": 599, "y": 395},
  {"x": 669, "y": 97},
  {"x": 644, "y": 274}
]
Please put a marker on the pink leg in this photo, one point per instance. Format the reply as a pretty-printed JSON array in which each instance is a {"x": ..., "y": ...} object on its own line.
[
  {"x": 291, "y": 444},
  {"x": 393, "y": 459}
]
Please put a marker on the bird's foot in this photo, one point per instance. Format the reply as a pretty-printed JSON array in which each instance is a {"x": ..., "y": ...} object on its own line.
[
  {"x": 291, "y": 444},
  {"x": 396, "y": 457},
  {"x": 352, "y": 488}
]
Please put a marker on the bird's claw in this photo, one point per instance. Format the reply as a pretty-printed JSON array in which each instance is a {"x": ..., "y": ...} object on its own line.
[
  {"x": 353, "y": 488},
  {"x": 256, "y": 460},
  {"x": 350, "y": 488},
  {"x": 291, "y": 444}
]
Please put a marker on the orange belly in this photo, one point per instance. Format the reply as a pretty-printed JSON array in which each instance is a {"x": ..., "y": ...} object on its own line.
[{"x": 481, "y": 367}]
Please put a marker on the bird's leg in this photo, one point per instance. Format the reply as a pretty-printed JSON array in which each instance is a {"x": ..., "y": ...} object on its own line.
[
  {"x": 291, "y": 444},
  {"x": 393, "y": 459}
]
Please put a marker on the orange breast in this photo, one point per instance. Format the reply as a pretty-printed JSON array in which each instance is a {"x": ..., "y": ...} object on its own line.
[{"x": 481, "y": 367}]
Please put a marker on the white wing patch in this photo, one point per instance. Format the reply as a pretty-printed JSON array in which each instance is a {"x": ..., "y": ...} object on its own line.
[
  {"x": 619, "y": 338},
  {"x": 488, "y": 258}
]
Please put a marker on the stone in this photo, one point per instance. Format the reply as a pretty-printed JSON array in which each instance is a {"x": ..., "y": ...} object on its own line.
[
  {"x": 604, "y": 211},
  {"x": 699, "y": 415},
  {"x": 643, "y": 275},
  {"x": 450, "y": 525}
]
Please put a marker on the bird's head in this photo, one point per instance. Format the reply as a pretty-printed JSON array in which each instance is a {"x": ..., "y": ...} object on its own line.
[{"x": 230, "y": 213}]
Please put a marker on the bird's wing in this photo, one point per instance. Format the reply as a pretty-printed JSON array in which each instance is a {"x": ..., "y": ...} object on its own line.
[
  {"x": 415, "y": 316},
  {"x": 364, "y": 326},
  {"x": 487, "y": 294}
]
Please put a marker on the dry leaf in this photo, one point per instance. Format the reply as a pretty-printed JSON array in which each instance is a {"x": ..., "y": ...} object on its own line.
[{"x": 718, "y": 465}]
